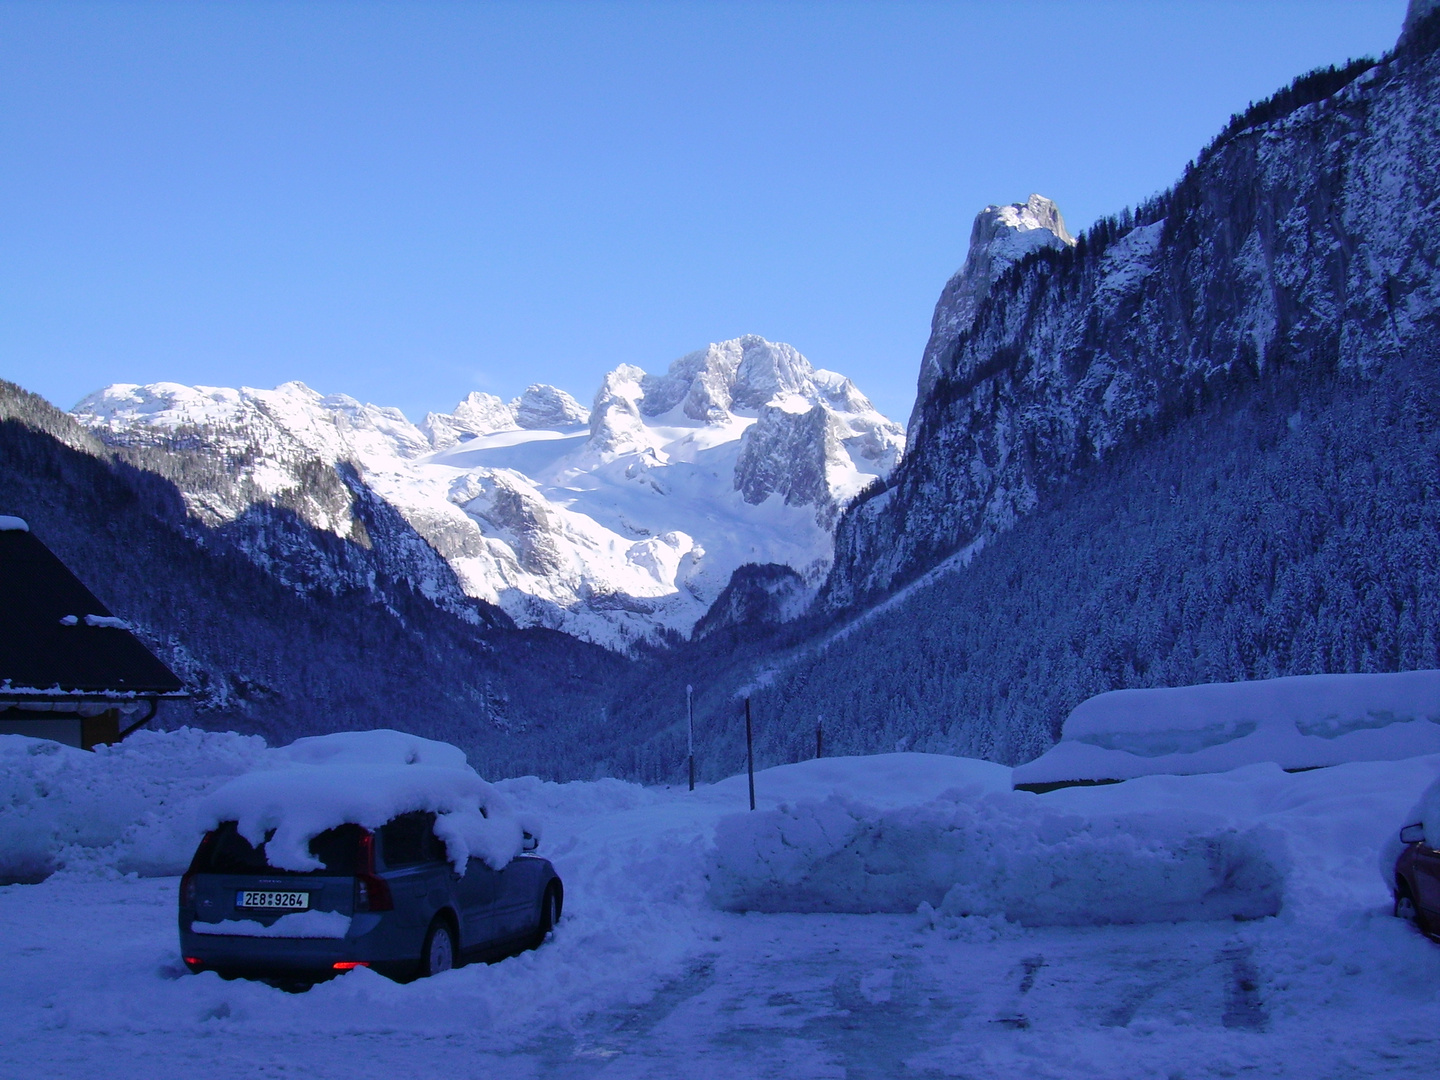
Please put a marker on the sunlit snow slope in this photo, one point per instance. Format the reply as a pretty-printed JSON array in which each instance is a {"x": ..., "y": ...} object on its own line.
[{"x": 613, "y": 524}]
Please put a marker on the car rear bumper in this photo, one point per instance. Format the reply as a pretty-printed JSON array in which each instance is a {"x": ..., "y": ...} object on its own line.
[{"x": 392, "y": 950}]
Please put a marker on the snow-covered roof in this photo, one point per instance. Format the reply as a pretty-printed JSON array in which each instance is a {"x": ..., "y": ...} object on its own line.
[
  {"x": 1298, "y": 722},
  {"x": 13, "y": 524},
  {"x": 58, "y": 640}
]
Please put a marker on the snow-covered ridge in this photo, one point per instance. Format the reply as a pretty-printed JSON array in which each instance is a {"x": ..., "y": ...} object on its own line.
[{"x": 613, "y": 524}]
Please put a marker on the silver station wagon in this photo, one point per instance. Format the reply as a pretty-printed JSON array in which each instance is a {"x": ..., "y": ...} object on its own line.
[{"x": 386, "y": 899}]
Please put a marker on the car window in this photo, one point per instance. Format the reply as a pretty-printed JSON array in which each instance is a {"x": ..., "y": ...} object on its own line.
[
  {"x": 410, "y": 840},
  {"x": 339, "y": 849}
]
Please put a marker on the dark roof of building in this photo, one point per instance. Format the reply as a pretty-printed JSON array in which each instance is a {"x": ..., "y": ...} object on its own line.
[{"x": 56, "y": 636}]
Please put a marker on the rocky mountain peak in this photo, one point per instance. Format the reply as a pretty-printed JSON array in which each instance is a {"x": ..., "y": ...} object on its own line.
[
  {"x": 1000, "y": 237},
  {"x": 540, "y": 408},
  {"x": 548, "y": 408},
  {"x": 743, "y": 373}
]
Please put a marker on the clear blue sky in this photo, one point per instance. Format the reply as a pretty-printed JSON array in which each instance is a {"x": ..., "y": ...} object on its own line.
[{"x": 406, "y": 202}]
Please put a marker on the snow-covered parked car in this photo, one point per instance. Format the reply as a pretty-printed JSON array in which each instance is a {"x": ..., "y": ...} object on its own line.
[
  {"x": 1411, "y": 862},
  {"x": 1417, "y": 880},
  {"x": 315, "y": 868}
]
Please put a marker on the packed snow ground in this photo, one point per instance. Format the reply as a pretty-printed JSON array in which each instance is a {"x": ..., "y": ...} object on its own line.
[{"x": 646, "y": 976}]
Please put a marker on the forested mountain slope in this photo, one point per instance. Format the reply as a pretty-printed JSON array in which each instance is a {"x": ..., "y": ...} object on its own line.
[
  {"x": 1203, "y": 443},
  {"x": 1303, "y": 239}
]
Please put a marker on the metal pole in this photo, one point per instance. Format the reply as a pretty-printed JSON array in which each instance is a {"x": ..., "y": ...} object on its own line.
[
  {"x": 820, "y": 735},
  {"x": 749, "y": 753},
  {"x": 690, "y": 731}
]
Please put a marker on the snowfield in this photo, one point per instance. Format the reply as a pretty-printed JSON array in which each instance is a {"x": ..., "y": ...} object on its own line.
[{"x": 955, "y": 928}]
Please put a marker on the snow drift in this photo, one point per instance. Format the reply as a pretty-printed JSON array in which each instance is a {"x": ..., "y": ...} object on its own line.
[
  {"x": 997, "y": 854},
  {"x": 1298, "y": 722}
]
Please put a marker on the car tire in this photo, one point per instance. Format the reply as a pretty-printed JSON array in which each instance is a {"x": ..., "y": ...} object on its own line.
[
  {"x": 439, "y": 952},
  {"x": 549, "y": 913},
  {"x": 1406, "y": 908}
]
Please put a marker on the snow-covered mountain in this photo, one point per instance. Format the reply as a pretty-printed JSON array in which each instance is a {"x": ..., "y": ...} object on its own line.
[{"x": 614, "y": 525}]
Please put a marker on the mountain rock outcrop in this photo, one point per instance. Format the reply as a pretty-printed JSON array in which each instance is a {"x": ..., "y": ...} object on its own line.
[
  {"x": 540, "y": 407},
  {"x": 1000, "y": 237}
]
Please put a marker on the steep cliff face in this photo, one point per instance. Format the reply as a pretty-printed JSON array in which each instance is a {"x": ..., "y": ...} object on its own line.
[
  {"x": 1000, "y": 238},
  {"x": 1305, "y": 237}
]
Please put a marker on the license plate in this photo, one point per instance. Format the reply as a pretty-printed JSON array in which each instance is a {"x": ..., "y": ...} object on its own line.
[{"x": 272, "y": 899}]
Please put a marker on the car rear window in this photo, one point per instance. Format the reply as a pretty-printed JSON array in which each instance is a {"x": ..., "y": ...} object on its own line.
[
  {"x": 410, "y": 840},
  {"x": 340, "y": 849}
]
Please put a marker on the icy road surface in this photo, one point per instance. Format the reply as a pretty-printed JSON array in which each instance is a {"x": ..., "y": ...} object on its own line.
[{"x": 645, "y": 978}]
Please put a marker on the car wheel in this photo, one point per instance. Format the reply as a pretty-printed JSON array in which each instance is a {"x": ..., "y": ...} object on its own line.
[
  {"x": 439, "y": 952},
  {"x": 549, "y": 913},
  {"x": 1406, "y": 908}
]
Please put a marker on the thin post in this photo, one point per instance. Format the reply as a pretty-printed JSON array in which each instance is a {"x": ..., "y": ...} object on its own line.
[
  {"x": 690, "y": 731},
  {"x": 750, "y": 753},
  {"x": 820, "y": 735}
]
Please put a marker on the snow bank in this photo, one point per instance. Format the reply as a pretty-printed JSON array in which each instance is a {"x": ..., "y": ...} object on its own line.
[
  {"x": 125, "y": 808},
  {"x": 299, "y": 924},
  {"x": 140, "y": 806},
  {"x": 881, "y": 780},
  {"x": 1299, "y": 722},
  {"x": 999, "y": 854}
]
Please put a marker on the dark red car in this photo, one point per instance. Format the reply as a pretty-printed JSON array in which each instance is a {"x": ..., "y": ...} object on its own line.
[{"x": 1417, "y": 881}]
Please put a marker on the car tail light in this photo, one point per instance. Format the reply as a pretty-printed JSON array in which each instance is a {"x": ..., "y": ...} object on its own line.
[
  {"x": 372, "y": 893},
  {"x": 187, "y": 890},
  {"x": 346, "y": 965}
]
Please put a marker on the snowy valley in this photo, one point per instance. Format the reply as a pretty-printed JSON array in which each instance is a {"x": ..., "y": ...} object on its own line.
[{"x": 1124, "y": 657}]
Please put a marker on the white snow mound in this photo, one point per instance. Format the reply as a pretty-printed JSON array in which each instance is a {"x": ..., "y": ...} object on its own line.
[
  {"x": 124, "y": 808},
  {"x": 998, "y": 854},
  {"x": 1297, "y": 722}
]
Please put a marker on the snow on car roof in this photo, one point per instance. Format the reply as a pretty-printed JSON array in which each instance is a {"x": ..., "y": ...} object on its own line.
[{"x": 365, "y": 778}]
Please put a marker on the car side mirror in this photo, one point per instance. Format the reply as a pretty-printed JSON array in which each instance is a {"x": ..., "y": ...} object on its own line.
[
  {"x": 1413, "y": 834},
  {"x": 530, "y": 843}
]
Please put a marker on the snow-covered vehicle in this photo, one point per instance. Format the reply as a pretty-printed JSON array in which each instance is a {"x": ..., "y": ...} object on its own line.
[
  {"x": 1411, "y": 862},
  {"x": 1417, "y": 881},
  {"x": 409, "y": 869}
]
